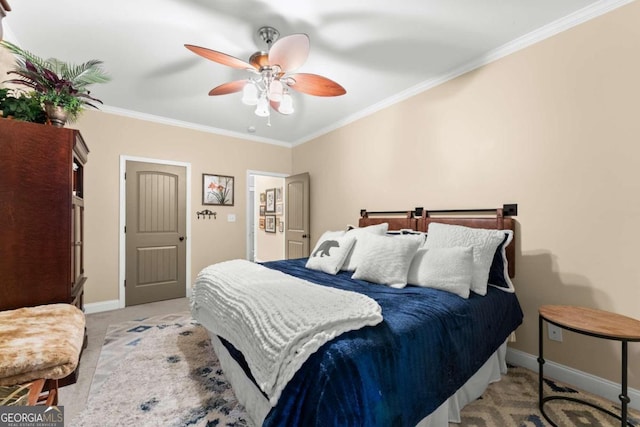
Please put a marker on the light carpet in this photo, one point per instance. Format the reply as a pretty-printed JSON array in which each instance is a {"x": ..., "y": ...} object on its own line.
[{"x": 161, "y": 371}]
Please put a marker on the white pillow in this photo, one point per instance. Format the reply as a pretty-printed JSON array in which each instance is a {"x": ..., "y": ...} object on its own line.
[
  {"x": 354, "y": 257},
  {"x": 448, "y": 269},
  {"x": 386, "y": 260},
  {"x": 484, "y": 243},
  {"x": 330, "y": 252}
]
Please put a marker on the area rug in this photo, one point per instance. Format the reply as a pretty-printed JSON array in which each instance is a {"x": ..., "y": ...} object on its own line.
[
  {"x": 161, "y": 371},
  {"x": 167, "y": 375}
]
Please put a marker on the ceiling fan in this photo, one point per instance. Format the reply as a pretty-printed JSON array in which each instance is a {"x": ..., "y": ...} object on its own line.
[{"x": 273, "y": 77}]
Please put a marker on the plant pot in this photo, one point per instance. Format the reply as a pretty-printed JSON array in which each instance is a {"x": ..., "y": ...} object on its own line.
[{"x": 56, "y": 114}]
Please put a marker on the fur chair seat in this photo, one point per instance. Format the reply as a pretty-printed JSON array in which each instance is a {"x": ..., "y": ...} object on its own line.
[{"x": 42, "y": 342}]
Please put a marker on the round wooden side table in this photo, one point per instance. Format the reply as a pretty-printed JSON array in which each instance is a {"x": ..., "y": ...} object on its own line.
[{"x": 594, "y": 323}]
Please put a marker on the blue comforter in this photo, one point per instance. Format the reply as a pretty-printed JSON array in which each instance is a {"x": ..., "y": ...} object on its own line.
[{"x": 399, "y": 371}]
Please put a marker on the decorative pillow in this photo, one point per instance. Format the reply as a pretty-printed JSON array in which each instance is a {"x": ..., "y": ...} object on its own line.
[
  {"x": 484, "y": 243},
  {"x": 407, "y": 232},
  {"x": 386, "y": 260},
  {"x": 354, "y": 257},
  {"x": 330, "y": 252},
  {"x": 499, "y": 271},
  {"x": 448, "y": 269}
]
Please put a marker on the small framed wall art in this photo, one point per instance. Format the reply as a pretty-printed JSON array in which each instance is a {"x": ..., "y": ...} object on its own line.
[
  {"x": 271, "y": 200},
  {"x": 217, "y": 190},
  {"x": 270, "y": 224}
]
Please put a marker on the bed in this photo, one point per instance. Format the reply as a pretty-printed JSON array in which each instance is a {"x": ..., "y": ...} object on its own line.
[{"x": 432, "y": 352}]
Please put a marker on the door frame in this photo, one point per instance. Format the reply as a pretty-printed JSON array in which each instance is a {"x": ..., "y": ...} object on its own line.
[
  {"x": 250, "y": 201},
  {"x": 123, "y": 215}
]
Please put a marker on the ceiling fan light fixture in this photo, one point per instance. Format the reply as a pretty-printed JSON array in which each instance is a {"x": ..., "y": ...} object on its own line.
[
  {"x": 250, "y": 94},
  {"x": 262, "y": 108},
  {"x": 275, "y": 90},
  {"x": 286, "y": 105}
]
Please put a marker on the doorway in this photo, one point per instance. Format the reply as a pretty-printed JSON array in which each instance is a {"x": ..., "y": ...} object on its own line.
[
  {"x": 277, "y": 216},
  {"x": 266, "y": 218},
  {"x": 155, "y": 228}
]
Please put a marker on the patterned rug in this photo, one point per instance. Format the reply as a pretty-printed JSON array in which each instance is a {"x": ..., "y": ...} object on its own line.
[{"x": 161, "y": 371}]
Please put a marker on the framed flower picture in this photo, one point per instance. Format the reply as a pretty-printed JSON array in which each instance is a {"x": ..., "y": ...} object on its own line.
[{"x": 217, "y": 190}]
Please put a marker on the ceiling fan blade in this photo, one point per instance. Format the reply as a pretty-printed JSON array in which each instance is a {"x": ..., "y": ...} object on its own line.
[
  {"x": 313, "y": 84},
  {"x": 289, "y": 52},
  {"x": 219, "y": 57},
  {"x": 227, "y": 88}
]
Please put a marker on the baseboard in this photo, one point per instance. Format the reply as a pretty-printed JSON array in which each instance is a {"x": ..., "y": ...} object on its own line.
[
  {"x": 582, "y": 380},
  {"x": 98, "y": 307}
]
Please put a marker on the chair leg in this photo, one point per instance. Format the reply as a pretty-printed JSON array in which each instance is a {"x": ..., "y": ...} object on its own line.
[
  {"x": 52, "y": 398},
  {"x": 34, "y": 392},
  {"x": 48, "y": 397}
]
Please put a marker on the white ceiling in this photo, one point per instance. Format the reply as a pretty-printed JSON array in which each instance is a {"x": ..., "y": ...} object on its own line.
[{"x": 381, "y": 51}]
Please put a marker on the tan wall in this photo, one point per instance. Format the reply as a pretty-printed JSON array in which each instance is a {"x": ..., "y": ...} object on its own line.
[
  {"x": 269, "y": 246},
  {"x": 554, "y": 128},
  {"x": 109, "y": 136}
]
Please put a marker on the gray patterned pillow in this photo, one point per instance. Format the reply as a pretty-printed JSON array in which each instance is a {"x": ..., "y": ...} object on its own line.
[{"x": 330, "y": 252}]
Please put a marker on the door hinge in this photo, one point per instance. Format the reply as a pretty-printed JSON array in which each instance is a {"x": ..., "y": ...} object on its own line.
[
  {"x": 125, "y": 228},
  {"x": 125, "y": 283},
  {"x": 125, "y": 175}
]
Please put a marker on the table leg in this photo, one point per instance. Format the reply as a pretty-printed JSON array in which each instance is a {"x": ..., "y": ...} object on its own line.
[
  {"x": 624, "y": 399},
  {"x": 540, "y": 364}
]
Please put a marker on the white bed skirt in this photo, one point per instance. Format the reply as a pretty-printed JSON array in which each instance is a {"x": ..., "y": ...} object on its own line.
[{"x": 258, "y": 407}]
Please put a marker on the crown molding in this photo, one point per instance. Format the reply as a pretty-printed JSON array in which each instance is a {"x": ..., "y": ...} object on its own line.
[{"x": 188, "y": 125}]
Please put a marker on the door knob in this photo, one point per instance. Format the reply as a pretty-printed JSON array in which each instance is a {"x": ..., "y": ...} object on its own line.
[{"x": 181, "y": 238}]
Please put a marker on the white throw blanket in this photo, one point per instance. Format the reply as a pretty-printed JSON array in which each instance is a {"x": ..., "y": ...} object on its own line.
[{"x": 276, "y": 320}]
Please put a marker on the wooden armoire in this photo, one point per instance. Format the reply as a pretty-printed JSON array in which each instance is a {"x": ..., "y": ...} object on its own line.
[{"x": 41, "y": 215}]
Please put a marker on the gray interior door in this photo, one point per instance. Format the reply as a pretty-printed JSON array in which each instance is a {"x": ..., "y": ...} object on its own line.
[
  {"x": 155, "y": 232},
  {"x": 297, "y": 216}
]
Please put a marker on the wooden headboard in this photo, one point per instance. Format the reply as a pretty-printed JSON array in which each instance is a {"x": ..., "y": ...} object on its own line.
[{"x": 419, "y": 220}]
